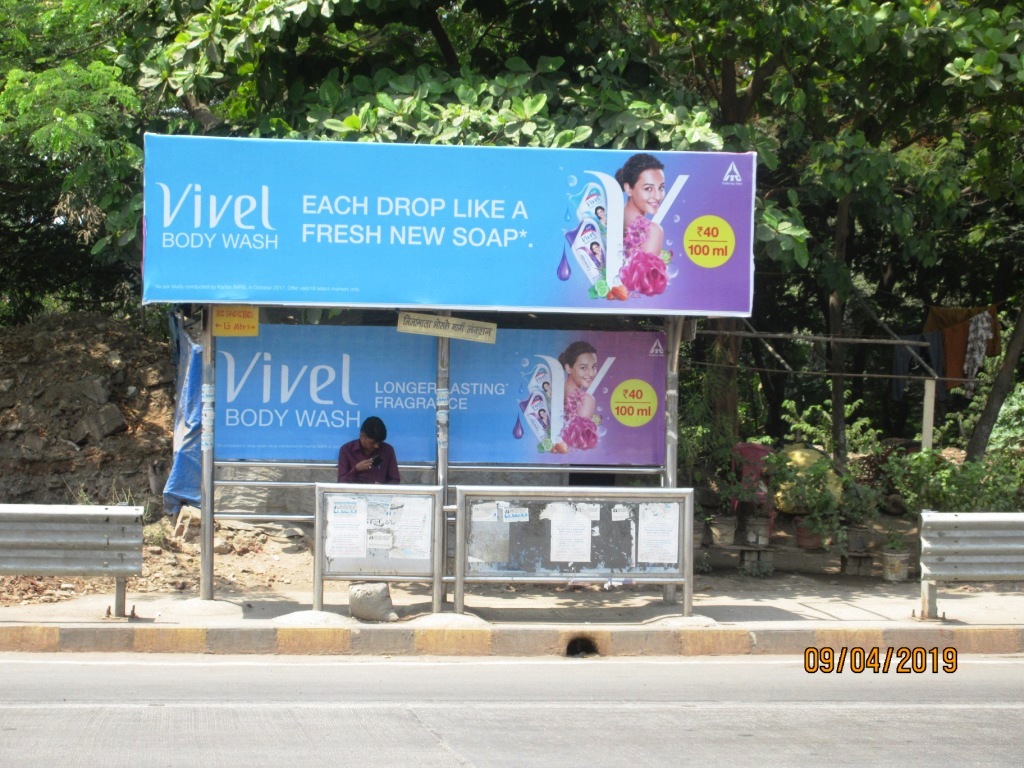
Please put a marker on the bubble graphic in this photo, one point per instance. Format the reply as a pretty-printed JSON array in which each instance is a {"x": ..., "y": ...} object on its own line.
[
  {"x": 672, "y": 271},
  {"x": 572, "y": 181}
]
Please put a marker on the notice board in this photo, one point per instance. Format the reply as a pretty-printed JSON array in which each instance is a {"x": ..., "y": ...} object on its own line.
[
  {"x": 579, "y": 532},
  {"x": 377, "y": 531}
]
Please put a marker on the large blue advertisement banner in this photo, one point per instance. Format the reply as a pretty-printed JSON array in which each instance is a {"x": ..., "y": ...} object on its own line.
[
  {"x": 314, "y": 223},
  {"x": 296, "y": 393},
  {"x": 559, "y": 397}
]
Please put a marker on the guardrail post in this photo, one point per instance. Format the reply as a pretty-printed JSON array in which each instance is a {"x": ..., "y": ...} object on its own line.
[
  {"x": 929, "y": 601},
  {"x": 120, "y": 590}
]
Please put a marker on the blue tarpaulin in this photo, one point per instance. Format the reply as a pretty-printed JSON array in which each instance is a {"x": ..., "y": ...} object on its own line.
[{"x": 184, "y": 481}]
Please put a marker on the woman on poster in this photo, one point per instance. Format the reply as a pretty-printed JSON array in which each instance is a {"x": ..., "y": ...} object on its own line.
[
  {"x": 579, "y": 360},
  {"x": 642, "y": 179}
]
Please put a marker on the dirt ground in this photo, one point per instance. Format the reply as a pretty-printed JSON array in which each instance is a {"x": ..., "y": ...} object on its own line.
[{"x": 56, "y": 375}]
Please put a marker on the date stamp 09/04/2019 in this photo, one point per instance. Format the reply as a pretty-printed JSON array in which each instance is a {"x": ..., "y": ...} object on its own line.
[{"x": 904, "y": 660}]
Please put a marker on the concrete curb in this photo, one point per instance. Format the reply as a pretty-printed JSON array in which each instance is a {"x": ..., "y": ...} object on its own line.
[{"x": 504, "y": 640}]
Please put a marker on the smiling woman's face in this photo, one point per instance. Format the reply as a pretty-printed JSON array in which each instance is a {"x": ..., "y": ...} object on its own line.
[
  {"x": 582, "y": 372},
  {"x": 648, "y": 192}
]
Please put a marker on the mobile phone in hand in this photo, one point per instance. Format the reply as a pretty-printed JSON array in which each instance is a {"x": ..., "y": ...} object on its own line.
[{"x": 377, "y": 461}]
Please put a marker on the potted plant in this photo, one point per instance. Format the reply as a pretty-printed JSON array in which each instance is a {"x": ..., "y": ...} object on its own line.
[
  {"x": 700, "y": 525},
  {"x": 747, "y": 501},
  {"x": 895, "y": 557},
  {"x": 858, "y": 508},
  {"x": 812, "y": 492}
]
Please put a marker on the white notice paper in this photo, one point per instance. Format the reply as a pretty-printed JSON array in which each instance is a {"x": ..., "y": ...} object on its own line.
[
  {"x": 484, "y": 511},
  {"x": 659, "y": 533},
  {"x": 570, "y": 537},
  {"x": 516, "y": 515},
  {"x": 412, "y": 527},
  {"x": 346, "y": 528}
]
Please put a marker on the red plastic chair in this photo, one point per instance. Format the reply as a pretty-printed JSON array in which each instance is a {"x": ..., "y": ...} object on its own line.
[{"x": 748, "y": 464}]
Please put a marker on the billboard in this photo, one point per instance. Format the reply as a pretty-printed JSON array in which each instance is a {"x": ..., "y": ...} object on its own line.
[
  {"x": 297, "y": 393},
  {"x": 559, "y": 397},
  {"x": 315, "y": 223}
]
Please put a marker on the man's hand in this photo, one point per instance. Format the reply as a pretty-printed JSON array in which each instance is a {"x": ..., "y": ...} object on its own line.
[{"x": 364, "y": 465}]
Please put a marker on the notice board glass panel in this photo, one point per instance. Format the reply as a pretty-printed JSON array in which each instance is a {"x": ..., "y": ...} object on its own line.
[
  {"x": 589, "y": 532},
  {"x": 376, "y": 530}
]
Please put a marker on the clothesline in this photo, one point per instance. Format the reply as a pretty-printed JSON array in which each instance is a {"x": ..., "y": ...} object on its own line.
[{"x": 845, "y": 374}]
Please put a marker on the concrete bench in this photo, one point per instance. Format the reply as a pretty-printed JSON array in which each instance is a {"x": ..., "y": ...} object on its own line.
[
  {"x": 72, "y": 540},
  {"x": 968, "y": 546}
]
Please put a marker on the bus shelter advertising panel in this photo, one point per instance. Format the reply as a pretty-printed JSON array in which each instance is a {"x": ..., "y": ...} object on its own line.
[
  {"x": 296, "y": 393},
  {"x": 313, "y": 223}
]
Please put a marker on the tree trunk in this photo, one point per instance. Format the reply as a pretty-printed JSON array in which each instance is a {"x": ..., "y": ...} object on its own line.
[
  {"x": 1001, "y": 386},
  {"x": 837, "y": 358},
  {"x": 722, "y": 387}
]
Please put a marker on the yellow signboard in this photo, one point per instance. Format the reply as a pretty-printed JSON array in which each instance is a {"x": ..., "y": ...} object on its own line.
[
  {"x": 234, "y": 320},
  {"x": 451, "y": 327}
]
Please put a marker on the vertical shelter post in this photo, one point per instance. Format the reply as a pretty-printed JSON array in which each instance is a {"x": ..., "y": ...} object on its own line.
[
  {"x": 440, "y": 516},
  {"x": 669, "y": 475},
  {"x": 206, "y": 443}
]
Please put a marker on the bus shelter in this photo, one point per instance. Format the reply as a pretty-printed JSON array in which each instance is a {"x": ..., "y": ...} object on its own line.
[{"x": 499, "y": 269}]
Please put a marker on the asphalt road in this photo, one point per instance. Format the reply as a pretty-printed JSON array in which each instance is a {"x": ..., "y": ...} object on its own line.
[{"x": 140, "y": 711}]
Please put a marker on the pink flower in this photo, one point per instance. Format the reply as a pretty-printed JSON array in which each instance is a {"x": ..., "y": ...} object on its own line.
[
  {"x": 644, "y": 273},
  {"x": 580, "y": 432}
]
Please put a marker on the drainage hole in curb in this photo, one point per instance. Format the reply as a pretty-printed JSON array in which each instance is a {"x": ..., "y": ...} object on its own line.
[{"x": 580, "y": 648}]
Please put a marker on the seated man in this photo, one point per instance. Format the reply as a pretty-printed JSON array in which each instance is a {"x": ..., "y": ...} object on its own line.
[{"x": 368, "y": 459}]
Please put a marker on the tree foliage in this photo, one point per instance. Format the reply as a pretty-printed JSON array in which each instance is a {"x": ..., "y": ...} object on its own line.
[{"x": 888, "y": 134}]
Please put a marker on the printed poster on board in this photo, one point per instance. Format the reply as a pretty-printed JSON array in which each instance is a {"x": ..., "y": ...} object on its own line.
[
  {"x": 321, "y": 223},
  {"x": 297, "y": 393}
]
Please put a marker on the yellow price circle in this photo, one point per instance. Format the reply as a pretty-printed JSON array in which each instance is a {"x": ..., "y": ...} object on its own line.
[
  {"x": 709, "y": 241},
  {"x": 634, "y": 403}
]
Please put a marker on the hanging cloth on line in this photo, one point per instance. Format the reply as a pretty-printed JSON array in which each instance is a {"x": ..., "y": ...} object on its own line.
[
  {"x": 903, "y": 362},
  {"x": 955, "y": 324},
  {"x": 978, "y": 335}
]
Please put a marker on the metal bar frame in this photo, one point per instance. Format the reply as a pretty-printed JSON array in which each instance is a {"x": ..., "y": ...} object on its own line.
[
  {"x": 320, "y": 534},
  {"x": 683, "y": 576}
]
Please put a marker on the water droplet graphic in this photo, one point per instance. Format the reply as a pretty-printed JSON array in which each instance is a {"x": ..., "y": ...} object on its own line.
[
  {"x": 517, "y": 430},
  {"x": 564, "y": 271}
]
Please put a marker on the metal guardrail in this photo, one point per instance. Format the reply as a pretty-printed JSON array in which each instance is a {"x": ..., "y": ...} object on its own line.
[
  {"x": 72, "y": 540},
  {"x": 968, "y": 546}
]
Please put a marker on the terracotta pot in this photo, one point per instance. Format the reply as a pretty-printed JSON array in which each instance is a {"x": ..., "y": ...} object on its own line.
[{"x": 805, "y": 537}]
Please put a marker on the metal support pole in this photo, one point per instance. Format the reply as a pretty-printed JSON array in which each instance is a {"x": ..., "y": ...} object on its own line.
[
  {"x": 206, "y": 445},
  {"x": 120, "y": 590},
  {"x": 319, "y": 537},
  {"x": 460, "y": 559},
  {"x": 441, "y": 400},
  {"x": 928, "y": 417},
  {"x": 929, "y": 600},
  {"x": 673, "y": 338}
]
